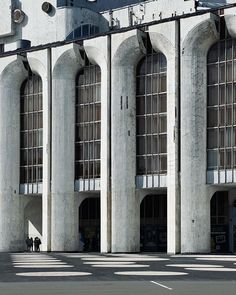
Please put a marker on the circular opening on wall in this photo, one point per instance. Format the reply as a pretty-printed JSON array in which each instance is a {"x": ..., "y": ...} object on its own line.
[
  {"x": 47, "y": 7},
  {"x": 18, "y": 16}
]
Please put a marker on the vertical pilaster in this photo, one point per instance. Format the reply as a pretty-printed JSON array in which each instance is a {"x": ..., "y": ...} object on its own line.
[
  {"x": 126, "y": 50},
  {"x": 64, "y": 214},
  {"x": 195, "y": 199},
  {"x": 11, "y": 221},
  {"x": 164, "y": 38},
  {"x": 98, "y": 52}
]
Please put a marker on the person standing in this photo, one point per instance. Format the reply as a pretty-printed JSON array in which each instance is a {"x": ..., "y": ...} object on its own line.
[
  {"x": 37, "y": 243},
  {"x": 28, "y": 244}
]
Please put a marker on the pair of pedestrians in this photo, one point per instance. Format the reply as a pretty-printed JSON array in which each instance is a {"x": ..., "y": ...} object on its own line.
[{"x": 30, "y": 242}]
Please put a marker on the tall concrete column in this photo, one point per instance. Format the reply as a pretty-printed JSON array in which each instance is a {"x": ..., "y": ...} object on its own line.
[
  {"x": 98, "y": 53},
  {"x": 127, "y": 49},
  {"x": 164, "y": 38},
  {"x": 11, "y": 207},
  {"x": 195, "y": 198},
  {"x": 64, "y": 212}
]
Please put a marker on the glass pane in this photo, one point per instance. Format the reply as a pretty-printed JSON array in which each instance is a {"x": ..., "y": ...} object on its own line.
[
  {"x": 149, "y": 145},
  {"x": 212, "y": 159},
  {"x": 229, "y": 72},
  {"x": 141, "y": 125},
  {"x": 149, "y": 165},
  {"x": 97, "y": 150},
  {"x": 163, "y": 164},
  {"x": 154, "y": 104},
  {"x": 163, "y": 123},
  {"x": 154, "y": 124},
  {"x": 229, "y": 115},
  {"x": 163, "y": 143},
  {"x": 141, "y": 145},
  {"x": 222, "y": 94},
  {"x": 229, "y": 93},
  {"x": 148, "y": 84},
  {"x": 148, "y": 124},
  {"x": 162, "y": 103},
  {"x": 212, "y": 95},
  {"x": 222, "y": 72},
  {"x": 155, "y": 144},
  {"x": 149, "y": 104},
  {"x": 140, "y": 105},
  {"x": 140, "y": 85},
  {"x": 222, "y": 116},
  {"x": 221, "y": 137},
  {"x": 222, "y": 159},
  {"x": 229, "y": 136},
  {"x": 212, "y": 74},
  {"x": 212, "y": 117},
  {"x": 96, "y": 169},
  {"x": 141, "y": 165},
  {"x": 162, "y": 83},
  {"x": 228, "y": 159},
  {"x": 155, "y": 84},
  {"x": 212, "y": 138}
]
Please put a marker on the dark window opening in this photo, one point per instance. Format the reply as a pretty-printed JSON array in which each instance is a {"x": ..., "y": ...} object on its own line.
[
  {"x": 31, "y": 131},
  {"x": 151, "y": 113},
  {"x": 88, "y": 123}
]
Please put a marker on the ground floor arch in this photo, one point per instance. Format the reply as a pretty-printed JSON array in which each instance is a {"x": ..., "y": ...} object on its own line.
[
  {"x": 33, "y": 218},
  {"x": 89, "y": 224},
  {"x": 223, "y": 222},
  {"x": 153, "y": 223}
]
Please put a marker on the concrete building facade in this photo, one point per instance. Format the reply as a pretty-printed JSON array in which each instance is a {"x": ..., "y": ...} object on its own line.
[{"x": 118, "y": 127}]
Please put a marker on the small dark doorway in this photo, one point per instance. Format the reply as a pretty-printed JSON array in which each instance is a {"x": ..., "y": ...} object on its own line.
[
  {"x": 89, "y": 224},
  {"x": 220, "y": 223},
  {"x": 153, "y": 224}
]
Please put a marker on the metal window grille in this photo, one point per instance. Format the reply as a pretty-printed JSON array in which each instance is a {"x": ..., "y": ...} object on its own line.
[
  {"x": 31, "y": 131},
  {"x": 221, "y": 103},
  {"x": 88, "y": 123},
  {"x": 151, "y": 114}
]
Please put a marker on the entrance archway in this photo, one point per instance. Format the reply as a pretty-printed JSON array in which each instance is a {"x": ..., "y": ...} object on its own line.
[
  {"x": 89, "y": 225},
  {"x": 33, "y": 218},
  {"x": 153, "y": 223},
  {"x": 220, "y": 222}
]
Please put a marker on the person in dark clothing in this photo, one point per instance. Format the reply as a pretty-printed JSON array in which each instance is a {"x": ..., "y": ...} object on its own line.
[
  {"x": 31, "y": 244},
  {"x": 37, "y": 243},
  {"x": 28, "y": 244}
]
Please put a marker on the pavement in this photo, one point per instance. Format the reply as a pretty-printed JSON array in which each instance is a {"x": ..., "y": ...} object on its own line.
[{"x": 116, "y": 274}]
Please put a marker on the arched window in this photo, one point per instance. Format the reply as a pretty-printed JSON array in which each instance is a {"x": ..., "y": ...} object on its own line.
[
  {"x": 31, "y": 131},
  {"x": 84, "y": 30},
  {"x": 88, "y": 122},
  {"x": 151, "y": 115},
  {"x": 221, "y": 105}
]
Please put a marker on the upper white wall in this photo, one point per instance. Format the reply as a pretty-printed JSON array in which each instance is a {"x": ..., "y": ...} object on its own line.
[
  {"x": 40, "y": 27},
  {"x": 5, "y": 19},
  {"x": 149, "y": 11}
]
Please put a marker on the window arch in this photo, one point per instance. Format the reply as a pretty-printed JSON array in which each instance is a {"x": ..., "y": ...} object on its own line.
[
  {"x": 88, "y": 122},
  {"x": 31, "y": 130},
  {"x": 151, "y": 113},
  {"x": 221, "y": 105}
]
